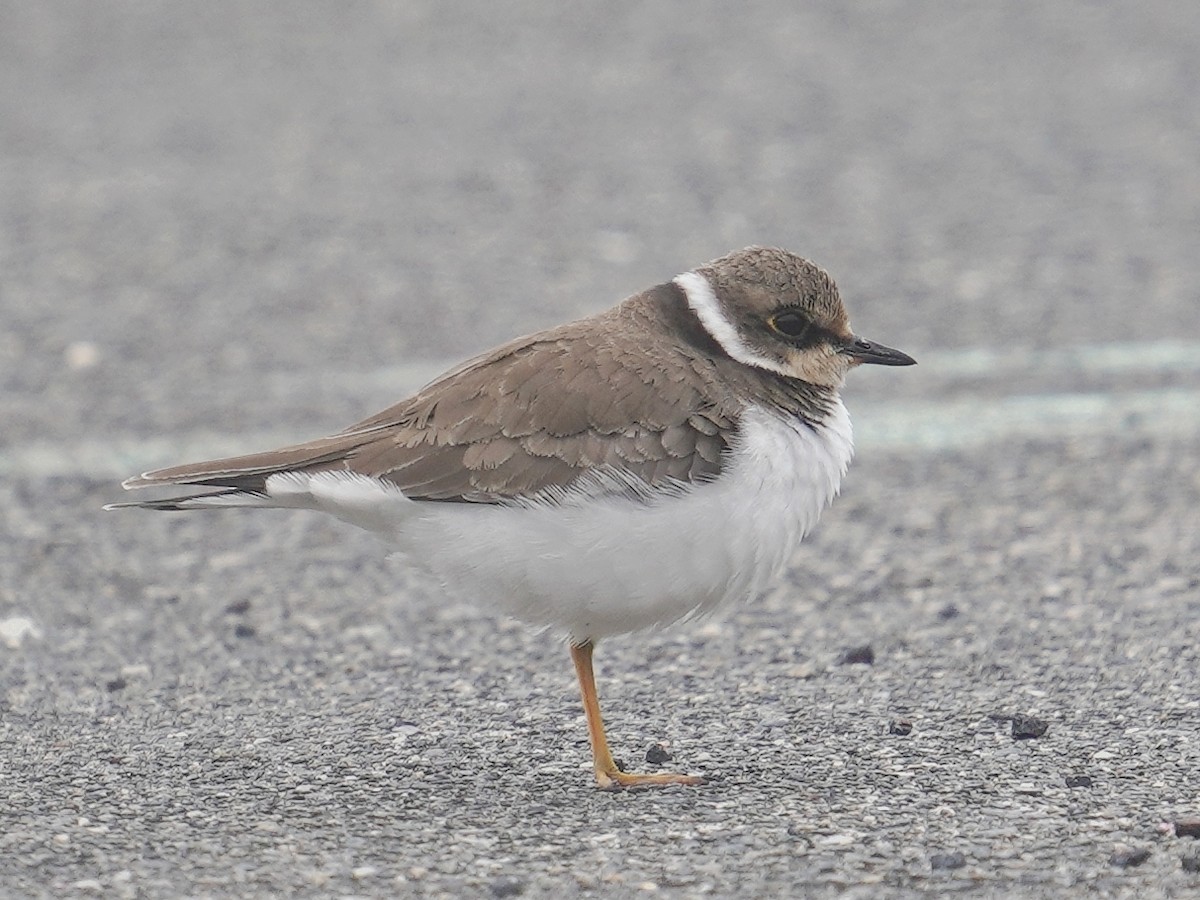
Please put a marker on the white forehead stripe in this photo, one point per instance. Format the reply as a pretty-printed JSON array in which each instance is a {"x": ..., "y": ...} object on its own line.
[{"x": 704, "y": 304}]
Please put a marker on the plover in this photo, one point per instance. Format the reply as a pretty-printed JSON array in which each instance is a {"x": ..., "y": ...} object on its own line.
[{"x": 623, "y": 471}]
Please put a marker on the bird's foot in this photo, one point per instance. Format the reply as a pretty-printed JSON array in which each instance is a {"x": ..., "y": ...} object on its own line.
[{"x": 615, "y": 780}]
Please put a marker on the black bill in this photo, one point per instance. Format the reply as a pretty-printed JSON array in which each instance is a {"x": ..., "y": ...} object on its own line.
[{"x": 865, "y": 351}]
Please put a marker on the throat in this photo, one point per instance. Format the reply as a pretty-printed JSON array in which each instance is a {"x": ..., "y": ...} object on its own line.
[{"x": 818, "y": 407}]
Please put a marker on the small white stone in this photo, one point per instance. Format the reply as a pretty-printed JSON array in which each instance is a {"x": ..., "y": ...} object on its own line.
[
  {"x": 14, "y": 630},
  {"x": 80, "y": 355},
  {"x": 836, "y": 840}
]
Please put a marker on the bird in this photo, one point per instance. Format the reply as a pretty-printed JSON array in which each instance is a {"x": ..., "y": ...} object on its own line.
[{"x": 628, "y": 470}]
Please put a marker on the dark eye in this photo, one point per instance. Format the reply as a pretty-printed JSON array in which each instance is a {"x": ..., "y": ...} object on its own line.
[{"x": 792, "y": 325}]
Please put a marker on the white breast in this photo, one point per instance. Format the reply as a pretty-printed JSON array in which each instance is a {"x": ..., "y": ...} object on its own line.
[{"x": 597, "y": 567}]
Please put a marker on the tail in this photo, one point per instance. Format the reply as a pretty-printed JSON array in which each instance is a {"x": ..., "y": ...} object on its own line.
[
  {"x": 246, "y": 480},
  {"x": 214, "y": 500}
]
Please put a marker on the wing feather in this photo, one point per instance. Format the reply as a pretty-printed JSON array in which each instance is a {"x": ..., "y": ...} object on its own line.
[{"x": 534, "y": 417}]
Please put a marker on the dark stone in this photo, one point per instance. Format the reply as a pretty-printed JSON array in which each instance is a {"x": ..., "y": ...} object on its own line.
[
  {"x": 507, "y": 887},
  {"x": 1187, "y": 828},
  {"x": 1190, "y": 863},
  {"x": 116, "y": 684},
  {"x": 1074, "y": 781},
  {"x": 238, "y": 607},
  {"x": 1026, "y": 728},
  {"x": 863, "y": 655},
  {"x": 947, "y": 861},
  {"x": 900, "y": 727},
  {"x": 1129, "y": 857},
  {"x": 657, "y": 755},
  {"x": 948, "y": 612},
  {"x": 244, "y": 631}
]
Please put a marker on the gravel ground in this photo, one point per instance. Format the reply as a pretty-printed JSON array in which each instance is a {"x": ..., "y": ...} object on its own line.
[{"x": 980, "y": 676}]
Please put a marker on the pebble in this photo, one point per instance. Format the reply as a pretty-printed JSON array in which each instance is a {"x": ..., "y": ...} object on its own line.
[
  {"x": 507, "y": 887},
  {"x": 1187, "y": 828},
  {"x": 1028, "y": 727},
  {"x": 14, "y": 630},
  {"x": 864, "y": 655},
  {"x": 1129, "y": 857},
  {"x": 81, "y": 355},
  {"x": 658, "y": 754},
  {"x": 952, "y": 860}
]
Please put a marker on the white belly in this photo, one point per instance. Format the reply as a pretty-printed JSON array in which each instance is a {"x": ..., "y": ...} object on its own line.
[
  {"x": 598, "y": 567},
  {"x": 603, "y": 567}
]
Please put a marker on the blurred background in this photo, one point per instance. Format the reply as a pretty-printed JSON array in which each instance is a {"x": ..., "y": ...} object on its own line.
[{"x": 228, "y": 224}]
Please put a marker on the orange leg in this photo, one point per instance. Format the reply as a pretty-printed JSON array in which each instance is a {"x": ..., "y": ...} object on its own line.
[{"x": 608, "y": 776}]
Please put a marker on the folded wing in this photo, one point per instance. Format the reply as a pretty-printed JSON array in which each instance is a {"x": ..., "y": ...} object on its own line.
[{"x": 534, "y": 418}]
